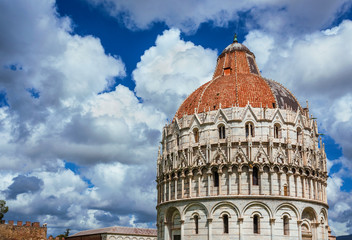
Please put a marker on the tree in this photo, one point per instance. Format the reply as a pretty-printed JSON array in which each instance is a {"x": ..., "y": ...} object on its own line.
[
  {"x": 65, "y": 235},
  {"x": 3, "y": 208}
]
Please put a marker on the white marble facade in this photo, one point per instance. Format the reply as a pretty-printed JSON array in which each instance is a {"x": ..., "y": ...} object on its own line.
[{"x": 242, "y": 173}]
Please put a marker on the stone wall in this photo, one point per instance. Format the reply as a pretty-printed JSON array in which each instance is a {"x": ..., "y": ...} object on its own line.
[{"x": 26, "y": 231}]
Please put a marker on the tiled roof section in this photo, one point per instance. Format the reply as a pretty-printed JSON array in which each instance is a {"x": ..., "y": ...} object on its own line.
[
  {"x": 235, "y": 46},
  {"x": 120, "y": 231},
  {"x": 237, "y": 82},
  {"x": 284, "y": 98}
]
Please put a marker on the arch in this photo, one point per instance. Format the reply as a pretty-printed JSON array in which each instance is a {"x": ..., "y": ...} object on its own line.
[
  {"x": 222, "y": 131},
  {"x": 256, "y": 213},
  {"x": 324, "y": 213},
  {"x": 249, "y": 129},
  {"x": 173, "y": 222},
  {"x": 286, "y": 225},
  {"x": 306, "y": 230},
  {"x": 288, "y": 205},
  {"x": 225, "y": 219},
  {"x": 256, "y": 224},
  {"x": 277, "y": 131},
  {"x": 259, "y": 204},
  {"x": 195, "y": 132},
  {"x": 309, "y": 213},
  {"x": 220, "y": 204},
  {"x": 185, "y": 209},
  {"x": 255, "y": 176},
  {"x": 299, "y": 134}
]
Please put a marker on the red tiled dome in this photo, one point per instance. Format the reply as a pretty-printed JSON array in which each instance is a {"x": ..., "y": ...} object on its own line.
[{"x": 237, "y": 82}]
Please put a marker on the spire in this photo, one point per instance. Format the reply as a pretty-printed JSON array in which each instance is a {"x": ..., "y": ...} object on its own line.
[{"x": 235, "y": 38}]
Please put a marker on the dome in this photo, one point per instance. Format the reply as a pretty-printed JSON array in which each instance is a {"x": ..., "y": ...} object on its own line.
[{"x": 237, "y": 82}]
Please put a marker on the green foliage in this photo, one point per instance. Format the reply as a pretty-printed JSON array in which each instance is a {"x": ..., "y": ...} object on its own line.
[
  {"x": 65, "y": 235},
  {"x": 3, "y": 208}
]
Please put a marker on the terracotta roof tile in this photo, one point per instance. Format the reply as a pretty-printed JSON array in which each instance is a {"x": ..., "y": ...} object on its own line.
[
  {"x": 237, "y": 81},
  {"x": 119, "y": 230}
]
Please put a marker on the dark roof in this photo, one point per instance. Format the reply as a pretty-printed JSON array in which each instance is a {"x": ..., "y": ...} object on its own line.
[{"x": 120, "y": 231}]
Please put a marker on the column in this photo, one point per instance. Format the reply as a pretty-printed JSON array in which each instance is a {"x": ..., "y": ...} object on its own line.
[
  {"x": 299, "y": 230},
  {"x": 272, "y": 223},
  {"x": 210, "y": 230},
  {"x": 240, "y": 222},
  {"x": 169, "y": 185},
  {"x": 239, "y": 182},
  {"x": 182, "y": 229},
  {"x": 176, "y": 183},
  {"x": 279, "y": 178},
  {"x": 260, "y": 173},
  {"x": 271, "y": 182},
  {"x": 166, "y": 231},
  {"x": 295, "y": 181},
  {"x": 220, "y": 182},
  {"x": 209, "y": 187},
  {"x": 164, "y": 182},
  {"x": 289, "y": 190},
  {"x": 316, "y": 189},
  {"x": 199, "y": 182},
  {"x": 230, "y": 176},
  {"x": 190, "y": 184},
  {"x": 250, "y": 171},
  {"x": 182, "y": 185},
  {"x": 314, "y": 231},
  {"x": 303, "y": 187}
]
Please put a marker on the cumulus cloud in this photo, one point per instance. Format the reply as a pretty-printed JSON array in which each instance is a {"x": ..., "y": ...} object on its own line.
[
  {"x": 171, "y": 70},
  {"x": 321, "y": 74},
  {"x": 23, "y": 184},
  {"x": 56, "y": 110},
  {"x": 272, "y": 15}
]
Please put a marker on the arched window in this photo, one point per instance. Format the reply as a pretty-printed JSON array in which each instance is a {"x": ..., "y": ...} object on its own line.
[
  {"x": 216, "y": 179},
  {"x": 285, "y": 190},
  {"x": 196, "y": 224},
  {"x": 255, "y": 176},
  {"x": 196, "y": 135},
  {"x": 222, "y": 132},
  {"x": 286, "y": 225},
  {"x": 277, "y": 131},
  {"x": 256, "y": 227},
  {"x": 249, "y": 130},
  {"x": 225, "y": 219},
  {"x": 299, "y": 135}
]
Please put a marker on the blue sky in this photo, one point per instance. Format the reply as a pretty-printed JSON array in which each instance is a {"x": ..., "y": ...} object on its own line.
[{"x": 86, "y": 86}]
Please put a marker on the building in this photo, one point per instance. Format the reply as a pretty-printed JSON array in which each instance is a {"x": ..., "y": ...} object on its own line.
[
  {"x": 242, "y": 159},
  {"x": 115, "y": 233},
  {"x": 21, "y": 231}
]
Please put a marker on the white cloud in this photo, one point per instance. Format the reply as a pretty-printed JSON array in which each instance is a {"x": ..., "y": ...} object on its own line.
[
  {"x": 169, "y": 71},
  {"x": 272, "y": 15},
  {"x": 316, "y": 67},
  {"x": 53, "y": 81}
]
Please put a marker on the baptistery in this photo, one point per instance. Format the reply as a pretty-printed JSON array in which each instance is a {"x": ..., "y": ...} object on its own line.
[{"x": 241, "y": 159}]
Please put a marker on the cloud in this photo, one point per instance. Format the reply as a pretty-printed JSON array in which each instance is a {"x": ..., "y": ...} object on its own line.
[
  {"x": 169, "y": 71},
  {"x": 321, "y": 74},
  {"x": 271, "y": 15},
  {"x": 22, "y": 184},
  {"x": 56, "y": 110}
]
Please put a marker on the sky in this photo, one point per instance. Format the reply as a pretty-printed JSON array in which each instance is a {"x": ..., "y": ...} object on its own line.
[{"x": 87, "y": 85}]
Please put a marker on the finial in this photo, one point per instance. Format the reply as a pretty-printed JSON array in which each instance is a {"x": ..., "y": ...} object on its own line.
[{"x": 235, "y": 38}]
